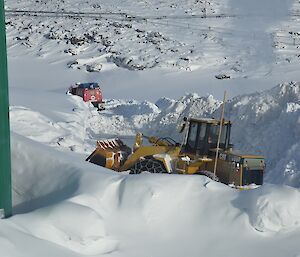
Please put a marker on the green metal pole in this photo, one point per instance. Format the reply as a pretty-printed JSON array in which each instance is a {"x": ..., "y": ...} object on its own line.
[{"x": 5, "y": 164}]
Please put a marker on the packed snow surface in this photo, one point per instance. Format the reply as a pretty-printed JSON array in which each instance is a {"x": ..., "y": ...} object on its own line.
[{"x": 157, "y": 62}]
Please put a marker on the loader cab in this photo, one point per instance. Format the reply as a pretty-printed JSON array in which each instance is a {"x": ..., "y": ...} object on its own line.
[{"x": 202, "y": 136}]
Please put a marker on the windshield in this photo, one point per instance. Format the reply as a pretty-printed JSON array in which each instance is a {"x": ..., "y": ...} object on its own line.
[
  {"x": 214, "y": 133},
  {"x": 192, "y": 135},
  {"x": 204, "y": 136}
]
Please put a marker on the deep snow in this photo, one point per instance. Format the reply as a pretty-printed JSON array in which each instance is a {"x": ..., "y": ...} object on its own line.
[
  {"x": 91, "y": 211},
  {"x": 64, "y": 206}
]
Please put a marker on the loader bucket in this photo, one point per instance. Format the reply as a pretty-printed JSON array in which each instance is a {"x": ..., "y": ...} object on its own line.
[{"x": 110, "y": 153}]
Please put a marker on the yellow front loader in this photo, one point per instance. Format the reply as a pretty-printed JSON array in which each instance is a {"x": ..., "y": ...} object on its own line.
[{"x": 197, "y": 154}]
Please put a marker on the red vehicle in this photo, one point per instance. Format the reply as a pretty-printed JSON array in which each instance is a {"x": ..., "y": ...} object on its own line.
[{"x": 90, "y": 92}]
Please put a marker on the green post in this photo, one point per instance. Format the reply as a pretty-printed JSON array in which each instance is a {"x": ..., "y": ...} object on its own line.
[{"x": 5, "y": 165}]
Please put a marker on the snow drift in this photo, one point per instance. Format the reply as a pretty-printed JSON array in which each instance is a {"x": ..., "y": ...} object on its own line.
[{"x": 93, "y": 211}]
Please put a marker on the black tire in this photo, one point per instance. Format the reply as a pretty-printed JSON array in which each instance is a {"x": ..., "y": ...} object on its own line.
[{"x": 148, "y": 164}]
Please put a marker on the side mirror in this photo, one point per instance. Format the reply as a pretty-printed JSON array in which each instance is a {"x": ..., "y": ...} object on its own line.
[
  {"x": 183, "y": 125},
  {"x": 138, "y": 141}
]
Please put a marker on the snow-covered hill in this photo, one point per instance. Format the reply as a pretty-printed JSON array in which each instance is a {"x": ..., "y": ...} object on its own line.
[
  {"x": 239, "y": 38},
  {"x": 133, "y": 35}
]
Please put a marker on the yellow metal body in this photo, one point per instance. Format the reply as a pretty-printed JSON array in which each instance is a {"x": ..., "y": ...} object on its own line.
[
  {"x": 152, "y": 150},
  {"x": 112, "y": 156}
]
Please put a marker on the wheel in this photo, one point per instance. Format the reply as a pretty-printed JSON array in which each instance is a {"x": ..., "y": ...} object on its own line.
[
  {"x": 209, "y": 174},
  {"x": 148, "y": 164}
]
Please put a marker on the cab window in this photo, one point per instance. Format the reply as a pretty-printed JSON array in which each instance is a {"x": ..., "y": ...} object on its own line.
[
  {"x": 192, "y": 135},
  {"x": 214, "y": 134}
]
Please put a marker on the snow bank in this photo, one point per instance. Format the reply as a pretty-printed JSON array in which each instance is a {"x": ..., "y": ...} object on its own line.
[
  {"x": 40, "y": 177},
  {"x": 125, "y": 118},
  {"x": 134, "y": 36},
  {"x": 72, "y": 226},
  {"x": 88, "y": 210},
  {"x": 272, "y": 208},
  {"x": 44, "y": 178},
  {"x": 265, "y": 123},
  {"x": 168, "y": 121}
]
